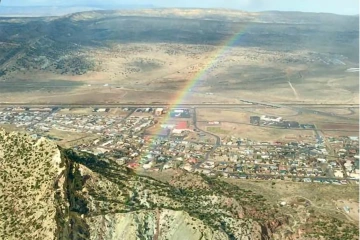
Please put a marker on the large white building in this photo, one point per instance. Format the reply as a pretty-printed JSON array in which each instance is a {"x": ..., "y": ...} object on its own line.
[{"x": 270, "y": 118}]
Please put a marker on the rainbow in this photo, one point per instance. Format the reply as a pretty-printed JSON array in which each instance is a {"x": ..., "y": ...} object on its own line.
[{"x": 217, "y": 56}]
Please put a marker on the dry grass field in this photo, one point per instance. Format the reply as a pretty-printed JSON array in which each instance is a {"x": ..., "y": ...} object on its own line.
[
  {"x": 159, "y": 72},
  {"x": 339, "y": 133},
  {"x": 215, "y": 114},
  {"x": 11, "y": 128},
  {"x": 68, "y": 139},
  {"x": 258, "y": 133}
]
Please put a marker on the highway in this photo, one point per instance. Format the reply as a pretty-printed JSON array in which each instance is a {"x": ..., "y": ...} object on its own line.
[{"x": 184, "y": 105}]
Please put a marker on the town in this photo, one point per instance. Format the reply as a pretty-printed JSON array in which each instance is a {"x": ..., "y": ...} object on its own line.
[{"x": 161, "y": 138}]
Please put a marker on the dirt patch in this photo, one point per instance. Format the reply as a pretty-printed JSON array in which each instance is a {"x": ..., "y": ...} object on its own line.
[
  {"x": 11, "y": 127},
  {"x": 215, "y": 114},
  {"x": 68, "y": 139},
  {"x": 339, "y": 126},
  {"x": 79, "y": 111},
  {"x": 350, "y": 207}
]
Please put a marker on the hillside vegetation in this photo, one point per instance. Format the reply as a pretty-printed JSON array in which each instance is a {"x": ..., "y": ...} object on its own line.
[{"x": 60, "y": 44}]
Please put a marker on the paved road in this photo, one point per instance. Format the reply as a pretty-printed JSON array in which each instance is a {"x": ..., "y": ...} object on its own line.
[
  {"x": 217, "y": 142},
  {"x": 128, "y": 115},
  {"x": 159, "y": 104}
]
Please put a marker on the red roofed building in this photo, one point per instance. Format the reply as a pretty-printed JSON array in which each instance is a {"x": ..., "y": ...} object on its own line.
[{"x": 180, "y": 127}]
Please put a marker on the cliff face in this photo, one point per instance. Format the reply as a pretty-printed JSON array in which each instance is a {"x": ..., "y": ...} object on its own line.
[
  {"x": 155, "y": 224},
  {"x": 51, "y": 193},
  {"x": 107, "y": 201}
]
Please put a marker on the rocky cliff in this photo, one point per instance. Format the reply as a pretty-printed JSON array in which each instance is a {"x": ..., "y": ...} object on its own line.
[{"x": 29, "y": 195}]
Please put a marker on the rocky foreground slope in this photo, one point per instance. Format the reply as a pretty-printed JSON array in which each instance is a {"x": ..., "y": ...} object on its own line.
[{"x": 51, "y": 193}]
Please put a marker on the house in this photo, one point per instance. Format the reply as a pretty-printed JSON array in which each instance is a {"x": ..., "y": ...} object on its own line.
[
  {"x": 148, "y": 165},
  {"x": 338, "y": 174},
  {"x": 188, "y": 167}
]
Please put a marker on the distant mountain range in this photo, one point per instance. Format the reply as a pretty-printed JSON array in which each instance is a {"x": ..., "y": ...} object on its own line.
[
  {"x": 25, "y": 39},
  {"x": 42, "y": 11}
]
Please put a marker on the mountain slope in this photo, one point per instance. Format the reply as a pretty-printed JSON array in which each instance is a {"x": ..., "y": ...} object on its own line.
[
  {"x": 60, "y": 44},
  {"x": 52, "y": 193}
]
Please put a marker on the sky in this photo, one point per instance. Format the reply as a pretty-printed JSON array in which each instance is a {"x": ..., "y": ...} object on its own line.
[{"x": 348, "y": 7}]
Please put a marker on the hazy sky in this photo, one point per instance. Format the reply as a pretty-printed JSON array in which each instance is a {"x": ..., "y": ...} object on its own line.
[{"x": 332, "y": 6}]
